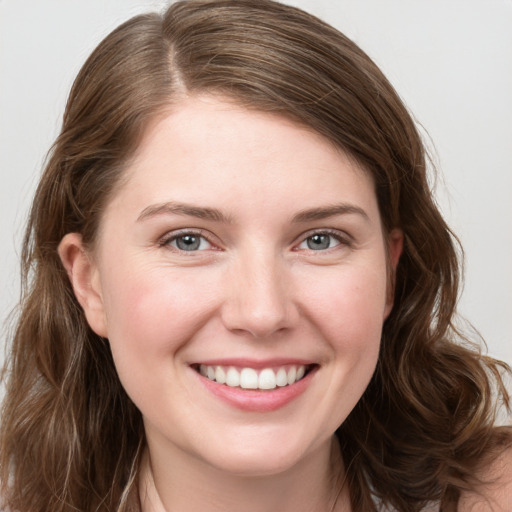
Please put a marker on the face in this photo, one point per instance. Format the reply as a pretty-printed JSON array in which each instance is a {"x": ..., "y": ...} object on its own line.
[{"x": 240, "y": 276}]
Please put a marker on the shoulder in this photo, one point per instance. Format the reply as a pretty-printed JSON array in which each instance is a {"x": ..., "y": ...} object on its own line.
[{"x": 495, "y": 493}]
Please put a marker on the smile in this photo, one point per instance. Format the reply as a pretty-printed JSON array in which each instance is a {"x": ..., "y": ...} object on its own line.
[
  {"x": 251, "y": 378},
  {"x": 256, "y": 386}
]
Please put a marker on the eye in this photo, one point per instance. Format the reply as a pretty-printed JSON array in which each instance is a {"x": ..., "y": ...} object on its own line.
[
  {"x": 188, "y": 242},
  {"x": 320, "y": 242}
]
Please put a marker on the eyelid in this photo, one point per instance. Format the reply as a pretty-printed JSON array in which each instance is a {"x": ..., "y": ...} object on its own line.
[
  {"x": 341, "y": 236},
  {"x": 164, "y": 241}
]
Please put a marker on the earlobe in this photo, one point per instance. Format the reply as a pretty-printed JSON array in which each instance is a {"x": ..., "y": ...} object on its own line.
[
  {"x": 84, "y": 278},
  {"x": 395, "y": 248}
]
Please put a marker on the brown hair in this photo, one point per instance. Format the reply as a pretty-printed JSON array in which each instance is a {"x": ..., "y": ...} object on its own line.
[{"x": 425, "y": 422}]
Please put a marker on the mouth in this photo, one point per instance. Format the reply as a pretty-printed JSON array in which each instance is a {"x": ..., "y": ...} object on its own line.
[{"x": 260, "y": 379}]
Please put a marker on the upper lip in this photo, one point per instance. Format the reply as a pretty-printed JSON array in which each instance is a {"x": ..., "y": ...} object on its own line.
[{"x": 254, "y": 363}]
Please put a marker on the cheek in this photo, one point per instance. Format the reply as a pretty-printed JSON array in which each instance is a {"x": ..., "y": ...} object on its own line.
[
  {"x": 351, "y": 299},
  {"x": 348, "y": 308},
  {"x": 350, "y": 315},
  {"x": 152, "y": 313}
]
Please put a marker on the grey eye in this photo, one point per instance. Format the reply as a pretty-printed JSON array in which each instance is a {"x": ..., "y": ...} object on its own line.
[
  {"x": 190, "y": 242},
  {"x": 319, "y": 242}
]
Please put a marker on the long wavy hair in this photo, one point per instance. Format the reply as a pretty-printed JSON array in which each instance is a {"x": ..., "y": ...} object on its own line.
[{"x": 71, "y": 439}]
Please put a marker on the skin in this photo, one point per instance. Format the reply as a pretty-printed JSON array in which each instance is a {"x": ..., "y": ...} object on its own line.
[
  {"x": 495, "y": 493},
  {"x": 255, "y": 289}
]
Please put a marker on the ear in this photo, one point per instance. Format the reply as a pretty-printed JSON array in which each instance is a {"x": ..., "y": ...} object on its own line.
[
  {"x": 85, "y": 280},
  {"x": 395, "y": 241}
]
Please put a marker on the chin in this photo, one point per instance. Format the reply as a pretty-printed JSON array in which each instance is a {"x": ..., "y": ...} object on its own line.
[
  {"x": 256, "y": 465},
  {"x": 261, "y": 459}
]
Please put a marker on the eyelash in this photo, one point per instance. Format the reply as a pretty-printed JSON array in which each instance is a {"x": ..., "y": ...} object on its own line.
[
  {"x": 171, "y": 237},
  {"x": 341, "y": 238}
]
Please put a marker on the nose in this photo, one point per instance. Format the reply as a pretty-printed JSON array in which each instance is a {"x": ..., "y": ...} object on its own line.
[{"x": 259, "y": 301}]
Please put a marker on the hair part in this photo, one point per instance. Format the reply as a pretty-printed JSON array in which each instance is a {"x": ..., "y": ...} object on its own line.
[{"x": 426, "y": 420}]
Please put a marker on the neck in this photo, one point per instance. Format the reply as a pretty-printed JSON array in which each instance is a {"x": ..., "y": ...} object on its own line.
[{"x": 314, "y": 484}]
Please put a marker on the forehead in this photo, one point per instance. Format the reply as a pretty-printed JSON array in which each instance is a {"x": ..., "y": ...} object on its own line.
[{"x": 206, "y": 148}]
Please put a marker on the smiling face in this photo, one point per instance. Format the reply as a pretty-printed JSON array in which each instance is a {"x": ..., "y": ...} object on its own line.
[{"x": 240, "y": 275}]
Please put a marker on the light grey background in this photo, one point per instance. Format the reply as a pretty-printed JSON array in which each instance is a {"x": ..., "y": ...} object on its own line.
[{"x": 450, "y": 60}]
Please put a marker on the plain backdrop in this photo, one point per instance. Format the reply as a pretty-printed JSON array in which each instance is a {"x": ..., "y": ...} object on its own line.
[{"x": 450, "y": 60}]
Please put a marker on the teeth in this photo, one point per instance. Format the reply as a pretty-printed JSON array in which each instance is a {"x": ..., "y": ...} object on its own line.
[
  {"x": 281, "y": 377},
  {"x": 267, "y": 379},
  {"x": 232, "y": 378},
  {"x": 292, "y": 373},
  {"x": 220, "y": 375},
  {"x": 249, "y": 378}
]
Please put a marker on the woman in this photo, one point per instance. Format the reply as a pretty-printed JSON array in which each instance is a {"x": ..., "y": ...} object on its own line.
[{"x": 241, "y": 293}]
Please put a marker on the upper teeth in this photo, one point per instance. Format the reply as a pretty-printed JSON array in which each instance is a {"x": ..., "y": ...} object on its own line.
[{"x": 249, "y": 378}]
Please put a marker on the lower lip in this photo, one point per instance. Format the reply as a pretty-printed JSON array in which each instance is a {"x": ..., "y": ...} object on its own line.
[{"x": 255, "y": 400}]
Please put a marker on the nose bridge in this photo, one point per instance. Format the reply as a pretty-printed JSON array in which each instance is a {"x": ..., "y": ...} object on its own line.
[{"x": 259, "y": 300}]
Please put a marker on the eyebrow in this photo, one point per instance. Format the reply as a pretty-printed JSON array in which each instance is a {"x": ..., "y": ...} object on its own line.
[
  {"x": 173, "y": 208},
  {"x": 329, "y": 211},
  {"x": 213, "y": 214}
]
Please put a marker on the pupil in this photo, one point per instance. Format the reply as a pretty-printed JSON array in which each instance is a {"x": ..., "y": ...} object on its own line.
[
  {"x": 317, "y": 242},
  {"x": 188, "y": 242}
]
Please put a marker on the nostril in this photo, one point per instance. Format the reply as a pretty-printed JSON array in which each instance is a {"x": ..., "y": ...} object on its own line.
[
  {"x": 258, "y": 300},
  {"x": 257, "y": 321}
]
